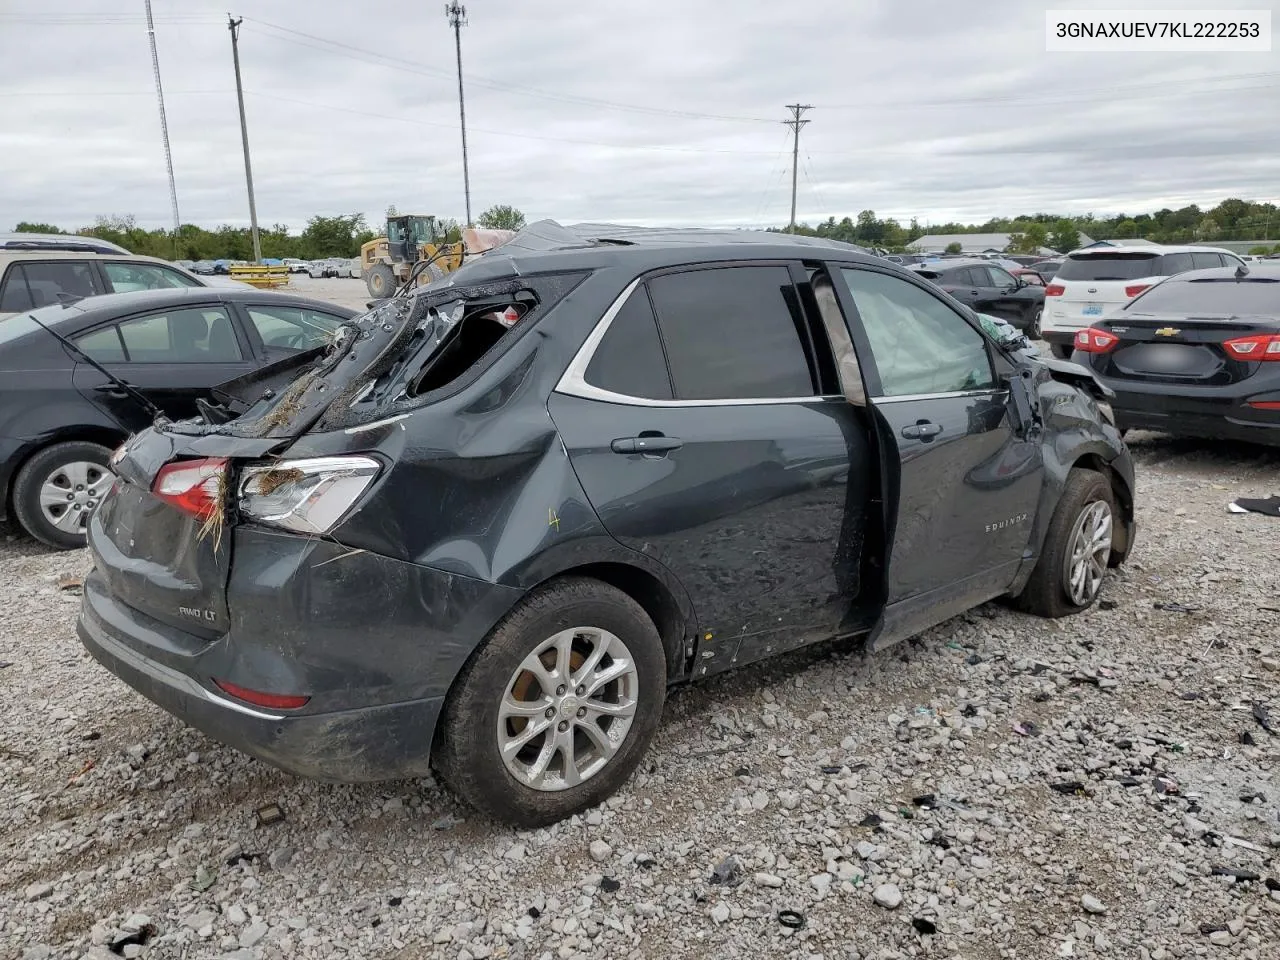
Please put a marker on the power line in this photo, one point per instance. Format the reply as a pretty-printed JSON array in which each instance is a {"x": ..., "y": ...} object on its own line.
[{"x": 795, "y": 123}]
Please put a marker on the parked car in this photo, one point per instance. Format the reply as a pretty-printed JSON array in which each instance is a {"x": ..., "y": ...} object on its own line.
[
  {"x": 38, "y": 275},
  {"x": 60, "y": 417},
  {"x": 328, "y": 267},
  {"x": 1029, "y": 276},
  {"x": 203, "y": 267},
  {"x": 989, "y": 288},
  {"x": 1047, "y": 269},
  {"x": 349, "y": 269},
  {"x": 1022, "y": 259},
  {"x": 1195, "y": 355},
  {"x": 1093, "y": 283},
  {"x": 593, "y": 470},
  {"x": 295, "y": 265}
]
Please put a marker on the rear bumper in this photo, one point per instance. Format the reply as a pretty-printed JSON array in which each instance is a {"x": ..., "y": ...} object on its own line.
[
  {"x": 1211, "y": 413},
  {"x": 375, "y": 643}
]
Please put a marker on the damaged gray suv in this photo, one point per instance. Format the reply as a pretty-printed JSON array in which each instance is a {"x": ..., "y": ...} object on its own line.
[{"x": 488, "y": 527}]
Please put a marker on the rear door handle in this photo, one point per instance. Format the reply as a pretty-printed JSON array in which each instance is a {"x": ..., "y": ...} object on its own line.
[
  {"x": 655, "y": 445},
  {"x": 921, "y": 430},
  {"x": 111, "y": 390}
]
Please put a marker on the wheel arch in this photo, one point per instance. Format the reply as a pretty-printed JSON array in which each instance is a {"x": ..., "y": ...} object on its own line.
[{"x": 90, "y": 433}]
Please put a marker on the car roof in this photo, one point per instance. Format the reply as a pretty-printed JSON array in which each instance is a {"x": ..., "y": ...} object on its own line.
[
  {"x": 1154, "y": 249},
  {"x": 11, "y": 255},
  {"x": 19, "y": 241},
  {"x": 546, "y": 246},
  {"x": 106, "y": 306}
]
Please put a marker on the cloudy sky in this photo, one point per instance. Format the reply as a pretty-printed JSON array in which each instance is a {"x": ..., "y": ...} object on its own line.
[{"x": 655, "y": 112}]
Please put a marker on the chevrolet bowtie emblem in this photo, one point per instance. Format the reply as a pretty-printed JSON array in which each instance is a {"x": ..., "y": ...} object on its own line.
[{"x": 1168, "y": 332}]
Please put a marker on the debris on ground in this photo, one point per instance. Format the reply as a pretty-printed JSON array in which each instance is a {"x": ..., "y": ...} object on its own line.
[
  {"x": 1170, "y": 607},
  {"x": 727, "y": 872},
  {"x": 269, "y": 813},
  {"x": 1270, "y": 506}
]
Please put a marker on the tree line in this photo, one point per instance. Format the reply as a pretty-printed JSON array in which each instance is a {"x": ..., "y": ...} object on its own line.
[
  {"x": 342, "y": 235},
  {"x": 337, "y": 236},
  {"x": 1230, "y": 220}
]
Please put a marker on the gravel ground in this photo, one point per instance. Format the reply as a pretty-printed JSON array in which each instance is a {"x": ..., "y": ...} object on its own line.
[
  {"x": 347, "y": 291},
  {"x": 1001, "y": 787}
]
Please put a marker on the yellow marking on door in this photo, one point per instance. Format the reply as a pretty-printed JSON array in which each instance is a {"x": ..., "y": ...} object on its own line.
[{"x": 552, "y": 519}]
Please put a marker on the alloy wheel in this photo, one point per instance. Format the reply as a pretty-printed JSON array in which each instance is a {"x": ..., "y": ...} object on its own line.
[
  {"x": 567, "y": 709},
  {"x": 71, "y": 492},
  {"x": 1088, "y": 551}
]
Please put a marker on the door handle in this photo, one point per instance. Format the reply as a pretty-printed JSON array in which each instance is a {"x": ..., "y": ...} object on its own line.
[
  {"x": 111, "y": 390},
  {"x": 656, "y": 445},
  {"x": 921, "y": 430}
]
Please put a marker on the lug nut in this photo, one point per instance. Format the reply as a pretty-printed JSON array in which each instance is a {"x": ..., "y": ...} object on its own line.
[
  {"x": 582, "y": 711},
  {"x": 563, "y": 726},
  {"x": 581, "y": 691},
  {"x": 560, "y": 690},
  {"x": 551, "y": 712}
]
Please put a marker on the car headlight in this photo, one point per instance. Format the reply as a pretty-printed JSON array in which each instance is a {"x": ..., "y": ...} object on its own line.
[{"x": 1108, "y": 414}]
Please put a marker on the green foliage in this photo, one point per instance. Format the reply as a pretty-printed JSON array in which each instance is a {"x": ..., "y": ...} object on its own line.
[
  {"x": 1064, "y": 237},
  {"x": 502, "y": 216},
  {"x": 25, "y": 227},
  {"x": 953, "y": 247},
  {"x": 1262, "y": 250}
]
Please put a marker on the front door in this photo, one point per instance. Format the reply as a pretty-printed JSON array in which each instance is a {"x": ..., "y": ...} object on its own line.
[
  {"x": 173, "y": 357},
  {"x": 966, "y": 484},
  {"x": 709, "y": 439}
]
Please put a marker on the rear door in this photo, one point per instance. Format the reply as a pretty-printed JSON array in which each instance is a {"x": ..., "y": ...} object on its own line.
[
  {"x": 125, "y": 276},
  {"x": 707, "y": 432},
  {"x": 962, "y": 483},
  {"x": 173, "y": 356},
  {"x": 30, "y": 284}
]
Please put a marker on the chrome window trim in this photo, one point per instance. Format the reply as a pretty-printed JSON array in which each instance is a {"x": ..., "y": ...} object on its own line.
[
  {"x": 984, "y": 392},
  {"x": 573, "y": 382}
]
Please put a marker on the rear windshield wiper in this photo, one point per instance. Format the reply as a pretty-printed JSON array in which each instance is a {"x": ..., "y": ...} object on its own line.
[{"x": 146, "y": 404}]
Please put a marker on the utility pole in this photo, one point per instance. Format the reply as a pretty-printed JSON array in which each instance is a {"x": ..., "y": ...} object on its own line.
[
  {"x": 795, "y": 123},
  {"x": 457, "y": 15},
  {"x": 234, "y": 27},
  {"x": 164, "y": 127}
]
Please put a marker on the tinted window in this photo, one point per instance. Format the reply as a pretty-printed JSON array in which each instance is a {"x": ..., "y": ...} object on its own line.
[
  {"x": 1225, "y": 296},
  {"x": 920, "y": 345},
  {"x": 291, "y": 327},
  {"x": 629, "y": 359},
  {"x": 732, "y": 334},
  {"x": 103, "y": 345},
  {"x": 30, "y": 285},
  {"x": 1203, "y": 261},
  {"x": 1001, "y": 278},
  {"x": 131, "y": 277},
  {"x": 1109, "y": 266},
  {"x": 1173, "y": 263},
  {"x": 193, "y": 335}
]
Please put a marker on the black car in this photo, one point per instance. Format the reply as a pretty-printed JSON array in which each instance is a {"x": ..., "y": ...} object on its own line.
[
  {"x": 60, "y": 416},
  {"x": 1048, "y": 269},
  {"x": 989, "y": 288},
  {"x": 493, "y": 523},
  {"x": 1198, "y": 354}
]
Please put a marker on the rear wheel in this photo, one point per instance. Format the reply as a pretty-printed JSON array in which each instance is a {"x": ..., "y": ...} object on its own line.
[
  {"x": 56, "y": 490},
  {"x": 1077, "y": 549},
  {"x": 557, "y": 708},
  {"x": 1033, "y": 328},
  {"x": 381, "y": 282}
]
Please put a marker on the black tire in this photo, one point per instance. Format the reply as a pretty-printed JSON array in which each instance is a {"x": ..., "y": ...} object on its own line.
[
  {"x": 33, "y": 475},
  {"x": 1046, "y": 592},
  {"x": 1033, "y": 328},
  {"x": 1061, "y": 351},
  {"x": 381, "y": 281},
  {"x": 466, "y": 753}
]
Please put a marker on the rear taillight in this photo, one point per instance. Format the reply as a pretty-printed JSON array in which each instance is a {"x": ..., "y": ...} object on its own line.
[
  {"x": 1262, "y": 346},
  {"x": 1265, "y": 404},
  {"x": 1054, "y": 290},
  {"x": 194, "y": 486},
  {"x": 309, "y": 496},
  {"x": 279, "y": 701},
  {"x": 1135, "y": 289},
  {"x": 1093, "y": 340}
]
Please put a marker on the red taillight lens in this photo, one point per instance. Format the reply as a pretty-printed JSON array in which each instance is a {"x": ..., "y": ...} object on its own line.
[
  {"x": 192, "y": 485},
  {"x": 1093, "y": 340},
  {"x": 1265, "y": 404},
  {"x": 1262, "y": 346},
  {"x": 1054, "y": 290},
  {"x": 279, "y": 701},
  {"x": 1136, "y": 289}
]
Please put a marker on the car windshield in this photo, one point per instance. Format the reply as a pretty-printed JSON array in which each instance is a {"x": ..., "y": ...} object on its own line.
[
  {"x": 1213, "y": 295},
  {"x": 1109, "y": 266}
]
